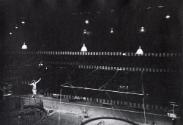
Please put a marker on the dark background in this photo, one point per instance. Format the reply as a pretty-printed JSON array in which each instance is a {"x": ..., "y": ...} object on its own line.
[{"x": 58, "y": 25}]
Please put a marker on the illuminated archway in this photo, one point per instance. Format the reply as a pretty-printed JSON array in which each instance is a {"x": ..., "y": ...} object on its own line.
[{"x": 97, "y": 121}]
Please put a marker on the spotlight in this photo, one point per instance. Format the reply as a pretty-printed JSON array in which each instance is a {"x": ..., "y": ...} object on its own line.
[
  {"x": 10, "y": 33},
  {"x": 87, "y": 21},
  {"x": 24, "y": 46},
  {"x": 124, "y": 54},
  {"x": 139, "y": 51},
  {"x": 142, "y": 29},
  {"x": 16, "y": 27},
  {"x": 22, "y": 22},
  {"x": 84, "y": 31},
  {"x": 40, "y": 64},
  {"x": 83, "y": 48},
  {"x": 112, "y": 30},
  {"x": 167, "y": 16}
]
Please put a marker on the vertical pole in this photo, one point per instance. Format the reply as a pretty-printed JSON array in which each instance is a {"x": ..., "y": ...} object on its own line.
[
  {"x": 60, "y": 98},
  {"x": 143, "y": 99},
  {"x": 60, "y": 106}
]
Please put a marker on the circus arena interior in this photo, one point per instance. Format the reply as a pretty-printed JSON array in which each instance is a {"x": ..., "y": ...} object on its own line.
[{"x": 91, "y": 62}]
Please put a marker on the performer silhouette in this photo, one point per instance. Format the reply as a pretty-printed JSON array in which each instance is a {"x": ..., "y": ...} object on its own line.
[{"x": 34, "y": 87}]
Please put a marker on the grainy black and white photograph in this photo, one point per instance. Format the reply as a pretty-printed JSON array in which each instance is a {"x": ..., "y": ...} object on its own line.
[{"x": 91, "y": 62}]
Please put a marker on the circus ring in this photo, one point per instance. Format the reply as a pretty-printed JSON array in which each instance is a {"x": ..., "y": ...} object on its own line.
[{"x": 108, "y": 121}]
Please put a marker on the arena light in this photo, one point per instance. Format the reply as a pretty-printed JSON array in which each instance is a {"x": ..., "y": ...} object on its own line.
[
  {"x": 87, "y": 21},
  {"x": 168, "y": 16},
  {"x": 40, "y": 64},
  {"x": 10, "y": 33},
  {"x": 112, "y": 30},
  {"x": 83, "y": 48},
  {"x": 7, "y": 94},
  {"x": 24, "y": 46},
  {"x": 84, "y": 31},
  {"x": 142, "y": 29},
  {"x": 22, "y": 22},
  {"x": 160, "y": 6},
  {"x": 124, "y": 54},
  {"x": 139, "y": 51}
]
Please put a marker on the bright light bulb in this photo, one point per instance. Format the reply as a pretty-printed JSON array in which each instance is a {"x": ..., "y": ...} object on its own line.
[
  {"x": 167, "y": 16},
  {"x": 23, "y": 22},
  {"x": 40, "y": 64},
  {"x": 16, "y": 27},
  {"x": 142, "y": 29},
  {"x": 10, "y": 33},
  {"x": 24, "y": 46},
  {"x": 124, "y": 54},
  {"x": 139, "y": 51},
  {"x": 83, "y": 48},
  {"x": 87, "y": 21},
  {"x": 112, "y": 30},
  {"x": 84, "y": 31}
]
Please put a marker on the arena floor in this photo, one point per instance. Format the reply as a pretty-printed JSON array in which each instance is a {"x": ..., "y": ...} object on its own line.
[
  {"x": 54, "y": 112},
  {"x": 58, "y": 118}
]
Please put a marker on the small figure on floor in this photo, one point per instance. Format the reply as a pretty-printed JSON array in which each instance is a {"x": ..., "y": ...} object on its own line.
[
  {"x": 101, "y": 123},
  {"x": 34, "y": 87}
]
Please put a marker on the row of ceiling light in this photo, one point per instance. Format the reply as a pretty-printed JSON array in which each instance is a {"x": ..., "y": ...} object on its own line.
[{"x": 142, "y": 29}]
